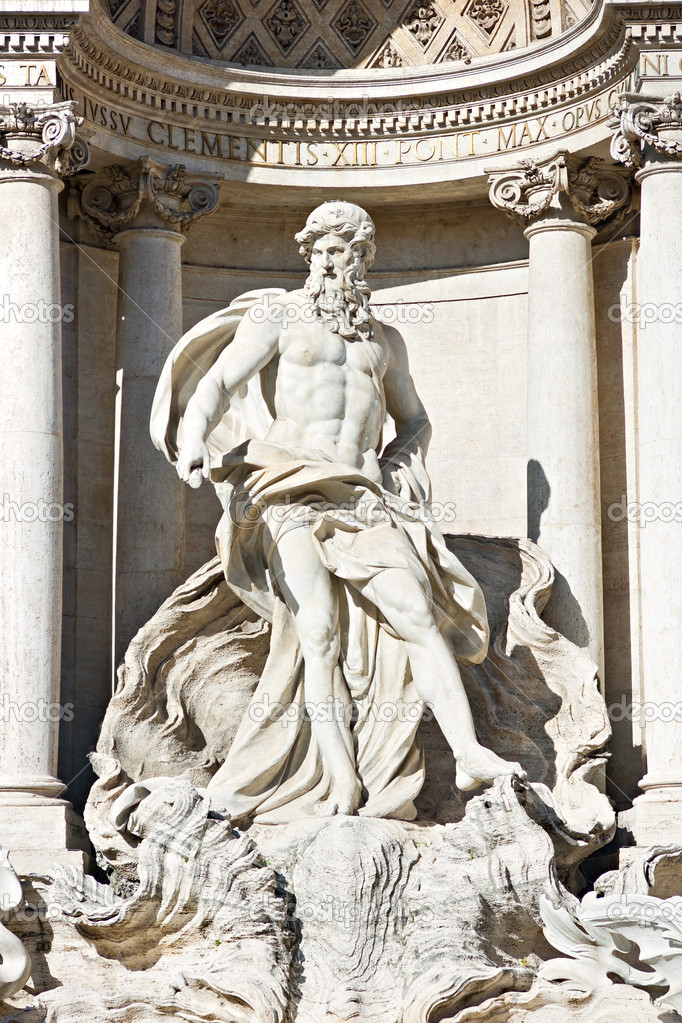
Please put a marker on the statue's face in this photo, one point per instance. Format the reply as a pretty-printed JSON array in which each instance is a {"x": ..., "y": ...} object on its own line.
[{"x": 331, "y": 256}]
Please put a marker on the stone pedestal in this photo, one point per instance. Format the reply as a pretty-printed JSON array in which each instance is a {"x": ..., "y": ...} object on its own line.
[
  {"x": 43, "y": 832},
  {"x": 649, "y": 137},
  {"x": 37, "y": 146},
  {"x": 144, "y": 210},
  {"x": 560, "y": 202}
]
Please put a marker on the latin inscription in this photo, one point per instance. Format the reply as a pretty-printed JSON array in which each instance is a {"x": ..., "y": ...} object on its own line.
[
  {"x": 667, "y": 64},
  {"x": 311, "y": 153},
  {"x": 25, "y": 75}
]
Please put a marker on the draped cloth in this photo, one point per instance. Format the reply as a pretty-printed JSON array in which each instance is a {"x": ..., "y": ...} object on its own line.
[{"x": 274, "y": 771}]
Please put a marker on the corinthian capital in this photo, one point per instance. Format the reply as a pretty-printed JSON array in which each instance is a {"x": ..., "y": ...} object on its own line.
[
  {"x": 112, "y": 200},
  {"x": 565, "y": 185},
  {"x": 33, "y": 135},
  {"x": 640, "y": 123}
]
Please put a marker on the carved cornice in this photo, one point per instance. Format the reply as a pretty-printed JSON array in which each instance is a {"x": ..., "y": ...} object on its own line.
[
  {"x": 124, "y": 71},
  {"x": 591, "y": 189},
  {"x": 141, "y": 99},
  {"x": 46, "y": 135},
  {"x": 111, "y": 201},
  {"x": 640, "y": 123},
  {"x": 35, "y": 33}
]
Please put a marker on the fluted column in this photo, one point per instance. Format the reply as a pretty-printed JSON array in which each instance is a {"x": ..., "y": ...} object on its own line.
[
  {"x": 144, "y": 209},
  {"x": 36, "y": 148},
  {"x": 649, "y": 137},
  {"x": 559, "y": 202}
]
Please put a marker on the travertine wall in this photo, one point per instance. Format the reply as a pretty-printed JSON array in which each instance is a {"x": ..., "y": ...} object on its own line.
[
  {"x": 464, "y": 271},
  {"x": 613, "y": 266},
  {"x": 89, "y": 276}
]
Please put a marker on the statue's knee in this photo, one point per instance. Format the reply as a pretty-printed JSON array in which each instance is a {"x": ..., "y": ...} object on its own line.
[
  {"x": 406, "y": 595},
  {"x": 318, "y": 636},
  {"x": 422, "y": 616}
]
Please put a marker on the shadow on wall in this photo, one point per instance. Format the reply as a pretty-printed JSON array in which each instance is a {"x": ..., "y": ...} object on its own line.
[{"x": 569, "y": 620}]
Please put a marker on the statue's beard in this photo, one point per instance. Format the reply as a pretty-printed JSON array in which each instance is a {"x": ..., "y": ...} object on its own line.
[{"x": 342, "y": 304}]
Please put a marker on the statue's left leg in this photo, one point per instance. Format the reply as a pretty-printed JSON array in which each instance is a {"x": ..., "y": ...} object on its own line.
[
  {"x": 402, "y": 601},
  {"x": 310, "y": 595}
]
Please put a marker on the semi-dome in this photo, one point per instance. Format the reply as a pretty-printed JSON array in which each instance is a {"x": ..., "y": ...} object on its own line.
[{"x": 338, "y": 34}]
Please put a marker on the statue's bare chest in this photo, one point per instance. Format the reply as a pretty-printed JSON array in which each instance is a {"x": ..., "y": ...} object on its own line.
[{"x": 314, "y": 345}]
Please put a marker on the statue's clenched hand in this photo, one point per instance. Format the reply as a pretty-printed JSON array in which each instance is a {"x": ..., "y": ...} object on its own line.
[{"x": 194, "y": 463}]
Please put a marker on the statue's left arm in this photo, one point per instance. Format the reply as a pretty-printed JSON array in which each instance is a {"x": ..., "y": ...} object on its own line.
[{"x": 402, "y": 461}]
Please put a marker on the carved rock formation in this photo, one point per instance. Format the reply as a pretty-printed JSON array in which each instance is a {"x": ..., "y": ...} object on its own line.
[{"x": 15, "y": 964}]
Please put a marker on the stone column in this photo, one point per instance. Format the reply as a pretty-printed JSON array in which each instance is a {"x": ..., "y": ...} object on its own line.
[
  {"x": 649, "y": 137},
  {"x": 37, "y": 147},
  {"x": 144, "y": 210},
  {"x": 559, "y": 202}
]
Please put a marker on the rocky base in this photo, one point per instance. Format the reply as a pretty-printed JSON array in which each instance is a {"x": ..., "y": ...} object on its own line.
[{"x": 332, "y": 920}]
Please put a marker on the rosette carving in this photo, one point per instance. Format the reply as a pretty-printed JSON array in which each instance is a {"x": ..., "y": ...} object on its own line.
[
  {"x": 639, "y": 123},
  {"x": 592, "y": 189},
  {"x": 32, "y": 135},
  {"x": 111, "y": 201}
]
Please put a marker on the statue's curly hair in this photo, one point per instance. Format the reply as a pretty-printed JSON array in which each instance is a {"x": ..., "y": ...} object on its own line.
[{"x": 347, "y": 220}]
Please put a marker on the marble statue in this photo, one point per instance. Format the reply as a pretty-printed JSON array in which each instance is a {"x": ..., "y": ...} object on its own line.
[
  {"x": 329, "y": 535},
  {"x": 271, "y": 844},
  {"x": 301, "y": 916}
]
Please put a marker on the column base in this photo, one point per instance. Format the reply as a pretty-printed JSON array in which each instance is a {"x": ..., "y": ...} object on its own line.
[
  {"x": 656, "y": 817},
  {"x": 43, "y": 786},
  {"x": 38, "y": 831},
  {"x": 650, "y": 871}
]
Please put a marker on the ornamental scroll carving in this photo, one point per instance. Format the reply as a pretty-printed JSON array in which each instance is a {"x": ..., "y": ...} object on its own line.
[
  {"x": 110, "y": 201},
  {"x": 593, "y": 190},
  {"x": 31, "y": 135},
  {"x": 640, "y": 123}
]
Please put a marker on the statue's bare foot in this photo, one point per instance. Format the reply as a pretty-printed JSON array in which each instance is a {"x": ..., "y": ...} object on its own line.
[
  {"x": 215, "y": 803},
  {"x": 342, "y": 799},
  {"x": 477, "y": 765}
]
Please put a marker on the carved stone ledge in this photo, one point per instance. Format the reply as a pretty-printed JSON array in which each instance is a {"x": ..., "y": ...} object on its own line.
[
  {"x": 639, "y": 124},
  {"x": 110, "y": 202},
  {"x": 563, "y": 184},
  {"x": 47, "y": 135},
  {"x": 450, "y": 100}
]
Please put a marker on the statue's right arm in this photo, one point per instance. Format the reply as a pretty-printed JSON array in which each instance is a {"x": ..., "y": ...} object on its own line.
[{"x": 255, "y": 343}]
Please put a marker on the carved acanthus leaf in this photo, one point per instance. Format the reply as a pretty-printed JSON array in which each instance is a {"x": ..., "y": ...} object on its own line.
[
  {"x": 422, "y": 21},
  {"x": 594, "y": 191},
  {"x": 354, "y": 24},
  {"x": 110, "y": 201},
  {"x": 388, "y": 56},
  {"x": 640, "y": 123},
  {"x": 31, "y": 135},
  {"x": 487, "y": 13}
]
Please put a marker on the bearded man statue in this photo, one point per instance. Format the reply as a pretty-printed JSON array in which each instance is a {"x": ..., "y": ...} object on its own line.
[{"x": 280, "y": 400}]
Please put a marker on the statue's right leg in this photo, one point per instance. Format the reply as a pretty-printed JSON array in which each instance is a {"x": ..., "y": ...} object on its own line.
[
  {"x": 308, "y": 591},
  {"x": 403, "y": 602}
]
